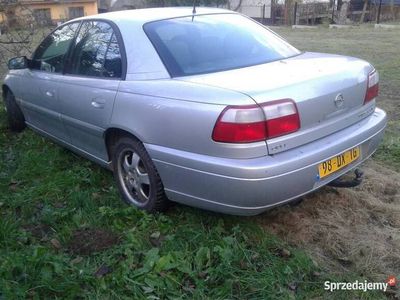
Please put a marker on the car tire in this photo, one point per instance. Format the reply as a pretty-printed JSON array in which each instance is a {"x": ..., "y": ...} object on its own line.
[
  {"x": 136, "y": 176},
  {"x": 16, "y": 119}
]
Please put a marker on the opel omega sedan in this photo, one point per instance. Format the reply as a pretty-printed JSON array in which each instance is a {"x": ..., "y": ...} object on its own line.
[{"x": 207, "y": 108}]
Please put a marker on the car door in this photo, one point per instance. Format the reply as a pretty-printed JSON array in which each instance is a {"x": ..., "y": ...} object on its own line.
[
  {"x": 40, "y": 98},
  {"x": 90, "y": 84}
]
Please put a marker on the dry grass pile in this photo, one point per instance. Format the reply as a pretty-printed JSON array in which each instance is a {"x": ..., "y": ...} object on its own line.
[{"x": 347, "y": 229}]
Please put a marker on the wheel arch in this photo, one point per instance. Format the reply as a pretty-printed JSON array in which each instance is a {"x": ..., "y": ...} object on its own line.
[
  {"x": 112, "y": 134},
  {"x": 5, "y": 89}
]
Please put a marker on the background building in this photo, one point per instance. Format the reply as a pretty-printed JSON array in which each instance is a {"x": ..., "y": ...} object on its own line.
[
  {"x": 53, "y": 11},
  {"x": 47, "y": 12}
]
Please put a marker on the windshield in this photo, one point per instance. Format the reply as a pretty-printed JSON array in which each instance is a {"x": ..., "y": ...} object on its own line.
[{"x": 212, "y": 43}]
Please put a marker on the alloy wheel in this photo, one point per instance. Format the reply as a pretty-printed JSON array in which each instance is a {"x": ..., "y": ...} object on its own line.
[{"x": 134, "y": 177}]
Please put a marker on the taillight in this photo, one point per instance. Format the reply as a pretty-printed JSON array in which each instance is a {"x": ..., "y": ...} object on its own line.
[
  {"x": 253, "y": 123},
  {"x": 240, "y": 124},
  {"x": 281, "y": 117},
  {"x": 372, "y": 86}
]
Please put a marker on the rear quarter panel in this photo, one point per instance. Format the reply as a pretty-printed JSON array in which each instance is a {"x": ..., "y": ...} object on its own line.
[{"x": 179, "y": 115}]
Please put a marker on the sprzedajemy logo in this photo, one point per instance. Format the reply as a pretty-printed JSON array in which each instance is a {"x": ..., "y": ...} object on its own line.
[{"x": 360, "y": 285}]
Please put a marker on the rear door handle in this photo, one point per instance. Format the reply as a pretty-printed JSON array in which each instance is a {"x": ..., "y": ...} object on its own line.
[
  {"x": 49, "y": 91},
  {"x": 98, "y": 103}
]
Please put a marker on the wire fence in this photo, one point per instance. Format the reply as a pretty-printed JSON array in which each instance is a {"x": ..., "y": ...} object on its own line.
[
  {"x": 270, "y": 12},
  {"x": 334, "y": 12}
]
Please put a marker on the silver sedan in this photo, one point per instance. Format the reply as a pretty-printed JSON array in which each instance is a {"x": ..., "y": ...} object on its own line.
[{"x": 206, "y": 108}]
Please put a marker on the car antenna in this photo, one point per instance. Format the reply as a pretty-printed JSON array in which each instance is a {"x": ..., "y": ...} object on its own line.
[{"x": 194, "y": 9}]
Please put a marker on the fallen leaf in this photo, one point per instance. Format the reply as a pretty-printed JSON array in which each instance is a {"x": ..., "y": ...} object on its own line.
[
  {"x": 156, "y": 239},
  {"x": 56, "y": 243},
  {"x": 59, "y": 205},
  {"x": 155, "y": 235},
  {"x": 147, "y": 289},
  {"x": 189, "y": 286},
  {"x": 202, "y": 275},
  {"x": 293, "y": 286},
  {"x": 76, "y": 260},
  {"x": 13, "y": 185},
  {"x": 95, "y": 195},
  {"x": 243, "y": 265},
  {"x": 102, "y": 271},
  {"x": 255, "y": 256},
  {"x": 285, "y": 253},
  {"x": 316, "y": 274}
]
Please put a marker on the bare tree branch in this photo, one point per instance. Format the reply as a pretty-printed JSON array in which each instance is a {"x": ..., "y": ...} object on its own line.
[
  {"x": 14, "y": 42},
  {"x": 20, "y": 31}
]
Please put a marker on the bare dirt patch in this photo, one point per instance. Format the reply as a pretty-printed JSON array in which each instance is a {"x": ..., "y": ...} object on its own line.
[
  {"x": 88, "y": 240},
  {"x": 39, "y": 231},
  {"x": 347, "y": 229}
]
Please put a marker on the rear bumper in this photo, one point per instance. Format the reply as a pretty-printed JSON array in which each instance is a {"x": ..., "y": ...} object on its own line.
[{"x": 250, "y": 186}]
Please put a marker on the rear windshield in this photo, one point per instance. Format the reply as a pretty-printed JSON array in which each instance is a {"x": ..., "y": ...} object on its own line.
[{"x": 212, "y": 43}]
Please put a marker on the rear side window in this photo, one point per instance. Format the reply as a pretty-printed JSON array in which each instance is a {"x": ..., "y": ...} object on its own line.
[
  {"x": 50, "y": 54},
  {"x": 96, "y": 52},
  {"x": 212, "y": 43}
]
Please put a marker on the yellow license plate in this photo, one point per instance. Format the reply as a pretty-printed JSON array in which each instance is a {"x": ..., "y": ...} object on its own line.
[{"x": 338, "y": 162}]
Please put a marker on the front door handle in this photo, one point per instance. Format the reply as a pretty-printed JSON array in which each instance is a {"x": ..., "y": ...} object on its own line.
[{"x": 98, "y": 103}]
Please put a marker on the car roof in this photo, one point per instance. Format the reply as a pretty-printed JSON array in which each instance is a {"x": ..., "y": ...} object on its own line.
[
  {"x": 143, "y": 62},
  {"x": 153, "y": 14}
]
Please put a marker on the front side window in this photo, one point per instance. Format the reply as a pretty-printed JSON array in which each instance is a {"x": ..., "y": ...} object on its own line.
[
  {"x": 50, "y": 54},
  {"x": 212, "y": 43},
  {"x": 96, "y": 52}
]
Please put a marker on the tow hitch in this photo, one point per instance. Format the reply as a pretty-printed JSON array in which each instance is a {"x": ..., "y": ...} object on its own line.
[{"x": 341, "y": 183}]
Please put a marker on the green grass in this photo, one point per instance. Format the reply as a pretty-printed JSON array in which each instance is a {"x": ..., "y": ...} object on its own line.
[
  {"x": 48, "y": 194},
  {"x": 184, "y": 253}
]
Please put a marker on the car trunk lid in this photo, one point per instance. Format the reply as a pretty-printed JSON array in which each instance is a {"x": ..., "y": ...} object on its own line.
[{"x": 329, "y": 92}]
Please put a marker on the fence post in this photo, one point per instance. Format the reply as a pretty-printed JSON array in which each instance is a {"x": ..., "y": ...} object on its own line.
[
  {"x": 273, "y": 12},
  {"x": 295, "y": 14},
  {"x": 285, "y": 12},
  {"x": 263, "y": 14},
  {"x": 379, "y": 12},
  {"x": 363, "y": 11},
  {"x": 333, "y": 11}
]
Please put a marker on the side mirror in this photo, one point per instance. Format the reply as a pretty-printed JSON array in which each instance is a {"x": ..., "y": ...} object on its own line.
[{"x": 18, "y": 63}]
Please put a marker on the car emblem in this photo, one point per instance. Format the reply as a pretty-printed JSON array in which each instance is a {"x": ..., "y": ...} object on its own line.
[{"x": 339, "y": 101}]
